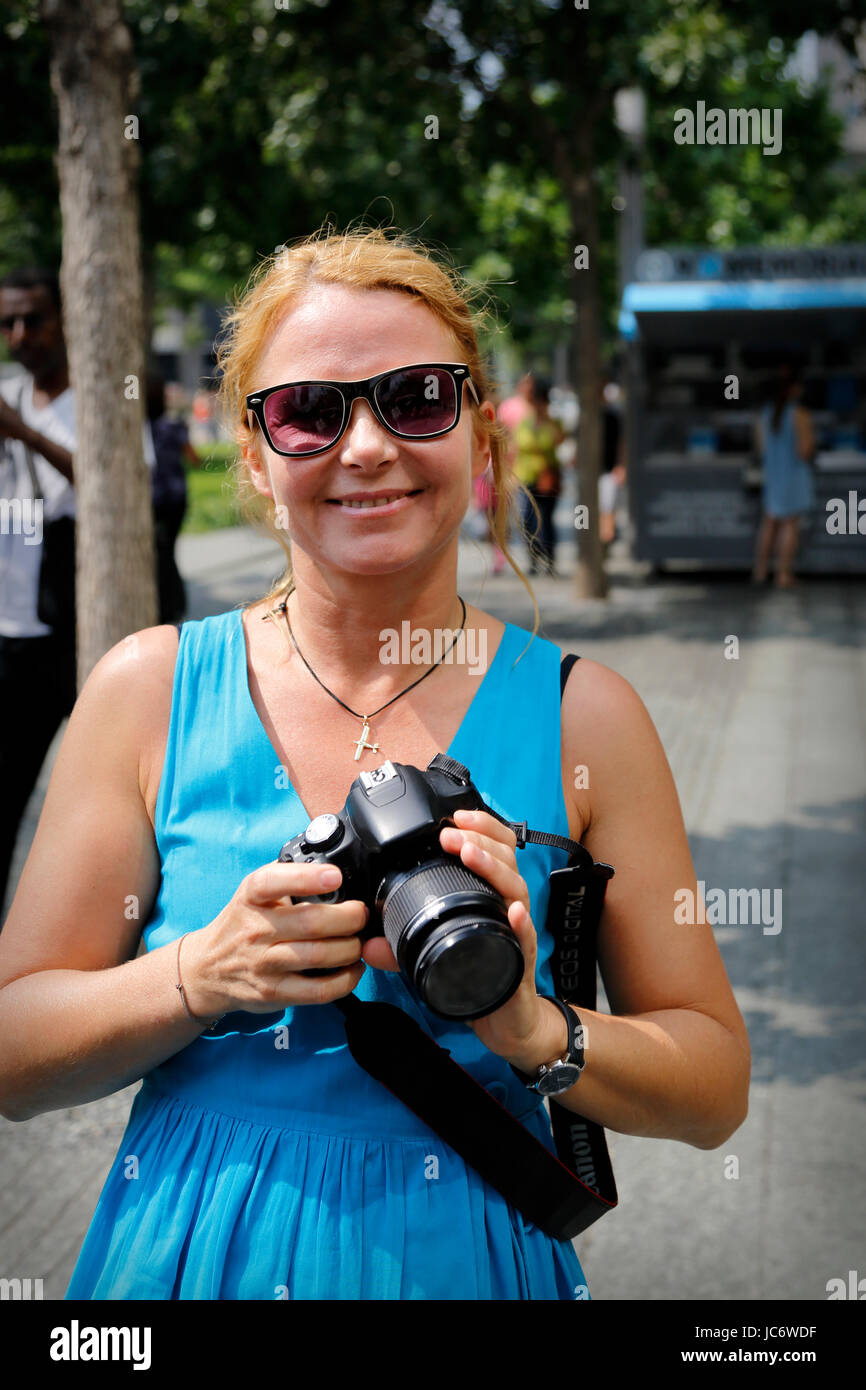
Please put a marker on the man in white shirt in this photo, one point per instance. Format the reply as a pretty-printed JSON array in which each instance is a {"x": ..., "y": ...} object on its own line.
[
  {"x": 37, "y": 412},
  {"x": 37, "y": 665}
]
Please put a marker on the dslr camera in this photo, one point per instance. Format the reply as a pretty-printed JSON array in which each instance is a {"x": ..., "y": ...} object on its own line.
[{"x": 447, "y": 927}]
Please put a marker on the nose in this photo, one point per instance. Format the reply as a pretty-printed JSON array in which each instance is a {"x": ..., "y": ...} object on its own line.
[{"x": 366, "y": 443}]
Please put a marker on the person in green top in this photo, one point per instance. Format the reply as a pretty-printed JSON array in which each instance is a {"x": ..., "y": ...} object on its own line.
[{"x": 536, "y": 465}]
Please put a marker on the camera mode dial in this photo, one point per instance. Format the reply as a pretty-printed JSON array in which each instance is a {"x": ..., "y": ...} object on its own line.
[{"x": 323, "y": 832}]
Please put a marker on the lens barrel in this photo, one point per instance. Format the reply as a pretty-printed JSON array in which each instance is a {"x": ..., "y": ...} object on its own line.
[{"x": 449, "y": 930}]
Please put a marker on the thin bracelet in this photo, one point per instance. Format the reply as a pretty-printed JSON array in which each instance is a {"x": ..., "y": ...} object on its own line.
[{"x": 180, "y": 989}]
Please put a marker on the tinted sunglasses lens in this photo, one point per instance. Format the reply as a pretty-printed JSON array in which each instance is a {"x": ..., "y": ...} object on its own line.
[
  {"x": 303, "y": 418},
  {"x": 418, "y": 400}
]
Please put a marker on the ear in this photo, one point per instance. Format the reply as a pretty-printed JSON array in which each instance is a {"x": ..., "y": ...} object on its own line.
[
  {"x": 256, "y": 468},
  {"x": 480, "y": 440}
]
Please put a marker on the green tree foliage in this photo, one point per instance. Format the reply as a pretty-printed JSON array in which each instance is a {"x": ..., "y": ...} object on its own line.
[
  {"x": 260, "y": 119},
  {"x": 736, "y": 195}
]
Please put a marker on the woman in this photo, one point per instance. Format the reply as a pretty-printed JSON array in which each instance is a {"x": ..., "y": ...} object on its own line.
[
  {"x": 173, "y": 453},
  {"x": 786, "y": 441},
  {"x": 267, "y": 1164},
  {"x": 536, "y": 439},
  {"x": 613, "y": 466}
]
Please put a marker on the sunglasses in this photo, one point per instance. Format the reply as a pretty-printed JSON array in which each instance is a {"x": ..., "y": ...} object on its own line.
[{"x": 302, "y": 418}]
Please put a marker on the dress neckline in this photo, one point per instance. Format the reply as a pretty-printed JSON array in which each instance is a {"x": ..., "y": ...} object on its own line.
[{"x": 471, "y": 713}]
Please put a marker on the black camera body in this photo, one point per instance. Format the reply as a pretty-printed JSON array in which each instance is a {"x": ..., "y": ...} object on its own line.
[{"x": 447, "y": 927}]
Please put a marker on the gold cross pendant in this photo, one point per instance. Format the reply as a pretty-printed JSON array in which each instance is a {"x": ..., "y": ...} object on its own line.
[{"x": 361, "y": 743}]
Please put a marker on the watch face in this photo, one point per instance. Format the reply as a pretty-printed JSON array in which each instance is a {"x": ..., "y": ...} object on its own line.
[{"x": 561, "y": 1077}]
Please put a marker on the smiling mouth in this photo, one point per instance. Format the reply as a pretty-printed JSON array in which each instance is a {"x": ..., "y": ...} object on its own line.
[{"x": 368, "y": 503}]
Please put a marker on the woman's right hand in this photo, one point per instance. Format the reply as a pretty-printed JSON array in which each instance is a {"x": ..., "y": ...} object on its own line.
[{"x": 251, "y": 956}]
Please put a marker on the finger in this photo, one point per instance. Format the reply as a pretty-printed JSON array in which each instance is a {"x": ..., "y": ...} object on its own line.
[
  {"x": 452, "y": 839},
  {"x": 487, "y": 825},
  {"x": 322, "y": 989},
  {"x": 520, "y": 919},
  {"x": 504, "y": 878},
  {"x": 378, "y": 953},
  {"x": 332, "y": 954},
  {"x": 314, "y": 921},
  {"x": 273, "y": 883},
  {"x": 523, "y": 927}
]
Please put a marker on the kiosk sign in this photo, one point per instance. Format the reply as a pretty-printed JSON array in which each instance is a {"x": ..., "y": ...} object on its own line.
[{"x": 751, "y": 263}]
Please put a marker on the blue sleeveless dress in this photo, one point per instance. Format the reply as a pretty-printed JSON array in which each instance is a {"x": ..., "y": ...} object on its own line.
[
  {"x": 260, "y": 1161},
  {"x": 789, "y": 489}
]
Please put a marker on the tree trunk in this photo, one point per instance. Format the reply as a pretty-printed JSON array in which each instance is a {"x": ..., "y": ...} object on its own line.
[
  {"x": 95, "y": 84},
  {"x": 576, "y": 173}
]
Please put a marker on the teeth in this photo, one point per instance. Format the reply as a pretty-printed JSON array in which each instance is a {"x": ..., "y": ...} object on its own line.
[{"x": 374, "y": 501}]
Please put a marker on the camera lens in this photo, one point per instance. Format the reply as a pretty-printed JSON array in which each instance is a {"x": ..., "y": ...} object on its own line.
[{"x": 449, "y": 930}]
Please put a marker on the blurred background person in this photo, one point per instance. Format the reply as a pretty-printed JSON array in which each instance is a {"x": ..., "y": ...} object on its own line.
[
  {"x": 536, "y": 464},
  {"x": 509, "y": 412},
  {"x": 612, "y": 466},
  {"x": 786, "y": 442},
  {"x": 37, "y": 414},
  {"x": 171, "y": 450},
  {"x": 515, "y": 408},
  {"x": 204, "y": 421}
]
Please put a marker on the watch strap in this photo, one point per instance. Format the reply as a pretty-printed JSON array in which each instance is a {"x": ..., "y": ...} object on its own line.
[{"x": 574, "y": 1047}]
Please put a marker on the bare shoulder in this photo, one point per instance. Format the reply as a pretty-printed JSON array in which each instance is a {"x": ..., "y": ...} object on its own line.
[
  {"x": 142, "y": 660},
  {"x": 608, "y": 733},
  {"x": 126, "y": 701},
  {"x": 597, "y": 694},
  {"x": 143, "y": 665}
]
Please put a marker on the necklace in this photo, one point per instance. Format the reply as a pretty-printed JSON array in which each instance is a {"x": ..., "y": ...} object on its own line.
[{"x": 361, "y": 743}]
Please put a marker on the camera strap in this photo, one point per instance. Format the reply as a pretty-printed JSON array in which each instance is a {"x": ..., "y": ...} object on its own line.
[{"x": 562, "y": 1194}]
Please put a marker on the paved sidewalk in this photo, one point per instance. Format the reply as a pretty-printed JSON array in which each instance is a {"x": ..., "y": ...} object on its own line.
[{"x": 769, "y": 756}]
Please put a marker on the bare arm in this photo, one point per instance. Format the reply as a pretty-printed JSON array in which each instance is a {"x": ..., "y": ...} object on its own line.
[
  {"x": 806, "y": 443},
  {"x": 672, "y": 1060},
  {"x": 12, "y": 426},
  {"x": 56, "y": 455},
  {"x": 79, "y": 1015}
]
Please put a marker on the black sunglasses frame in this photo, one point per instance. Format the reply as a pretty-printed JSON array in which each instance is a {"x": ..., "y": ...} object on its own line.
[{"x": 364, "y": 388}]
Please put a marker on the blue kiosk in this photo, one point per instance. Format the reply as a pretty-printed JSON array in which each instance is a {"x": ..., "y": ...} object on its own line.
[{"x": 704, "y": 332}]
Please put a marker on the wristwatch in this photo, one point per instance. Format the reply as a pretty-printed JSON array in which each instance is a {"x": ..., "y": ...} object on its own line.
[{"x": 561, "y": 1074}]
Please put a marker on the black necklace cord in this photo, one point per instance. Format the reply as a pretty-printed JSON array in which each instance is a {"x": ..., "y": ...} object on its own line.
[{"x": 284, "y": 609}]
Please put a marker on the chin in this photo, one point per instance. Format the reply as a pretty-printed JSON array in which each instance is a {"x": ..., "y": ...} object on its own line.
[
  {"x": 382, "y": 555},
  {"x": 381, "y": 564}
]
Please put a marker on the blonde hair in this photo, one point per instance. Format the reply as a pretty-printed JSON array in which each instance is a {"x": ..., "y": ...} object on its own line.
[{"x": 367, "y": 259}]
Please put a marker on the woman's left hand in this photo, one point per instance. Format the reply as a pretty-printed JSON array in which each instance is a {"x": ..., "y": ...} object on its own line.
[
  {"x": 520, "y": 1028},
  {"x": 488, "y": 847}
]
